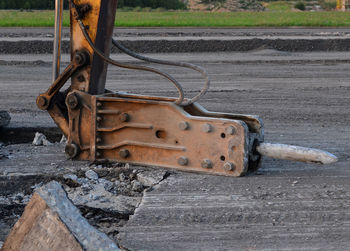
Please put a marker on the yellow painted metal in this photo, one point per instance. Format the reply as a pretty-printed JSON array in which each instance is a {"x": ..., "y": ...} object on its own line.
[{"x": 78, "y": 42}]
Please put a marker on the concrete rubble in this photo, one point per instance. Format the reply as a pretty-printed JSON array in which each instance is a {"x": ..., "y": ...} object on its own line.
[
  {"x": 107, "y": 195},
  {"x": 150, "y": 178},
  {"x": 40, "y": 140},
  {"x": 51, "y": 222}
]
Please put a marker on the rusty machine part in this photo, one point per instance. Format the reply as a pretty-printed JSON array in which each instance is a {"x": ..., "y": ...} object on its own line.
[{"x": 156, "y": 131}]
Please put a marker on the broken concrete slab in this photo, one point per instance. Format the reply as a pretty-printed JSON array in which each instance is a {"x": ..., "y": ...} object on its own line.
[
  {"x": 151, "y": 178},
  {"x": 94, "y": 195},
  {"x": 106, "y": 202},
  {"x": 51, "y": 222},
  {"x": 5, "y": 118},
  {"x": 296, "y": 209}
]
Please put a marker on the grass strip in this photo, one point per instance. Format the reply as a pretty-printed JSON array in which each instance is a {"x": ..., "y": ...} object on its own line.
[{"x": 12, "y": 18}]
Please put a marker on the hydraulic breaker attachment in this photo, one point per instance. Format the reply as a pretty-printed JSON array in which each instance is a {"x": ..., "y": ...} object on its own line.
[{"x": 155, "y": 131}]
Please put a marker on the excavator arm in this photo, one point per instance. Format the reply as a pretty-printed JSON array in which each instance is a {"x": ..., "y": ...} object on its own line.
[{"x": 167, "y": 132}]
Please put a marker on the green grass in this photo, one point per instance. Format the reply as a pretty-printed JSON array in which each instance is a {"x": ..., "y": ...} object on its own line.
[
  {"x": 280, "y": 6},
  {"x": 191, "y": 19}
]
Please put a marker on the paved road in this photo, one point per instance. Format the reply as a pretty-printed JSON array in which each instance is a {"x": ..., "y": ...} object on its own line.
[
  {"x": 303, "y": 99},
  {"x": 168, "y": 40},
  {"x": 183, "y": 31}
]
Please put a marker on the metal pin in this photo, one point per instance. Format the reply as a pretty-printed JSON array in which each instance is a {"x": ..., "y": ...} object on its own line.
[
  {"x": 71, "y": 150},
  {"x": 124, "y": 153},
  {"x": 228, "y": 166},
  {"x": 207, "y": 128},
  {"x": 206, "y": 163},
  {"x": 124, "y": 117},
  {"x": 183, "y": 125},
  {"x": 230, "y": 130},
  {"x": 73, "y": 101},
  {"x": 183, "y": 161}
]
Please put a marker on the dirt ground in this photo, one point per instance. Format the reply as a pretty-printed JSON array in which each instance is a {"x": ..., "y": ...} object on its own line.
[{"x": 303, "y": 99}]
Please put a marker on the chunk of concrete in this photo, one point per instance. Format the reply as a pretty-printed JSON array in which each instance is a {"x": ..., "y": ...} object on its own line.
[
  {"x": 51, "y": 222},
  {"x": 41, "y": 140},
  {"x": 96, "y": 196},
  {"x": 91, "y": 175},
  {"x": 4, "y": 118},
  {"x": 151, "y": 178}
]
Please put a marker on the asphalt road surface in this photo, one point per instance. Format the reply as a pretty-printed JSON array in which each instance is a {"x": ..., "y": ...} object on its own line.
[
  {"x": 303, "y": 99},
  {"x": 42, "y": 32}
]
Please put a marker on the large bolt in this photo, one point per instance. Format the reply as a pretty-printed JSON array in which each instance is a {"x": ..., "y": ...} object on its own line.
[
  {"x": 72, "y": 101},
  {"x": 124, "y": 117},
  {"x": 99, "y": 104},
  {"x": 42, "y": 102},
  {"x": 99, "y": 119},
  {"x": 71, "y": 150},
  {"x": 206, "y": 163},
  {"x": 230, "y": 130},
  {"x": 228, "y": 166},
  {"x": 124, "y": 153},
  {"x": 207, "y": 128},
  {"x": 183, "y": 125},
  {"x": 80, "y": 58},
  {"x": 183, "y": 161},
  {"x": 98, "y": 140}
]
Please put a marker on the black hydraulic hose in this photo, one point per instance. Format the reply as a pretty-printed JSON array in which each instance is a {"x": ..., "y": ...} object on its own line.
[
  {"x": 166, "y": 62},
  {"x": 128, "y": 66}
]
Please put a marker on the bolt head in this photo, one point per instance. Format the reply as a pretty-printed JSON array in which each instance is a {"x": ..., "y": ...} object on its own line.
[
  {"x": 98, "y": 140},
  {"x": 80, "y": 58},
  {"x": 99, "y": 119},
  {"x": 99, "y": 104},
  {"x": 71, "y": 150},
  {"x": 42, "y": 102},
  {"x": 72, "y": 101},
  {"x": 183, "y": 161},
  {"x": 124, "y": 153},
  {"x": 183, "y": 125},
  {"x": 207, "y": 128},
  {"x": 124, "y": 117},
  {"x": 230, "y": 130},
  {"x": 206, "y": 163},
  {"x": 228, "y": 166}
]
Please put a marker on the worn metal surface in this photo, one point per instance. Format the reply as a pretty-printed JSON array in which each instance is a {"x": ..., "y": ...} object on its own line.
[
  {"x": 154, "y": 131},
  {"x": 103, "y": 42},
  {"x": 142, "y": 130},
  {"x": 53, "y": 100},
  {"x": 99, "y": 16},
  {"x": 57, "y": 40},
  {"x": 86, "y": 140},
  {"x": 296, "y": 153}
]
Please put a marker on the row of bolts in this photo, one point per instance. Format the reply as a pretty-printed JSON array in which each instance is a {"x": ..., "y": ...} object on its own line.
[{"x": 183, "y": 125}]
